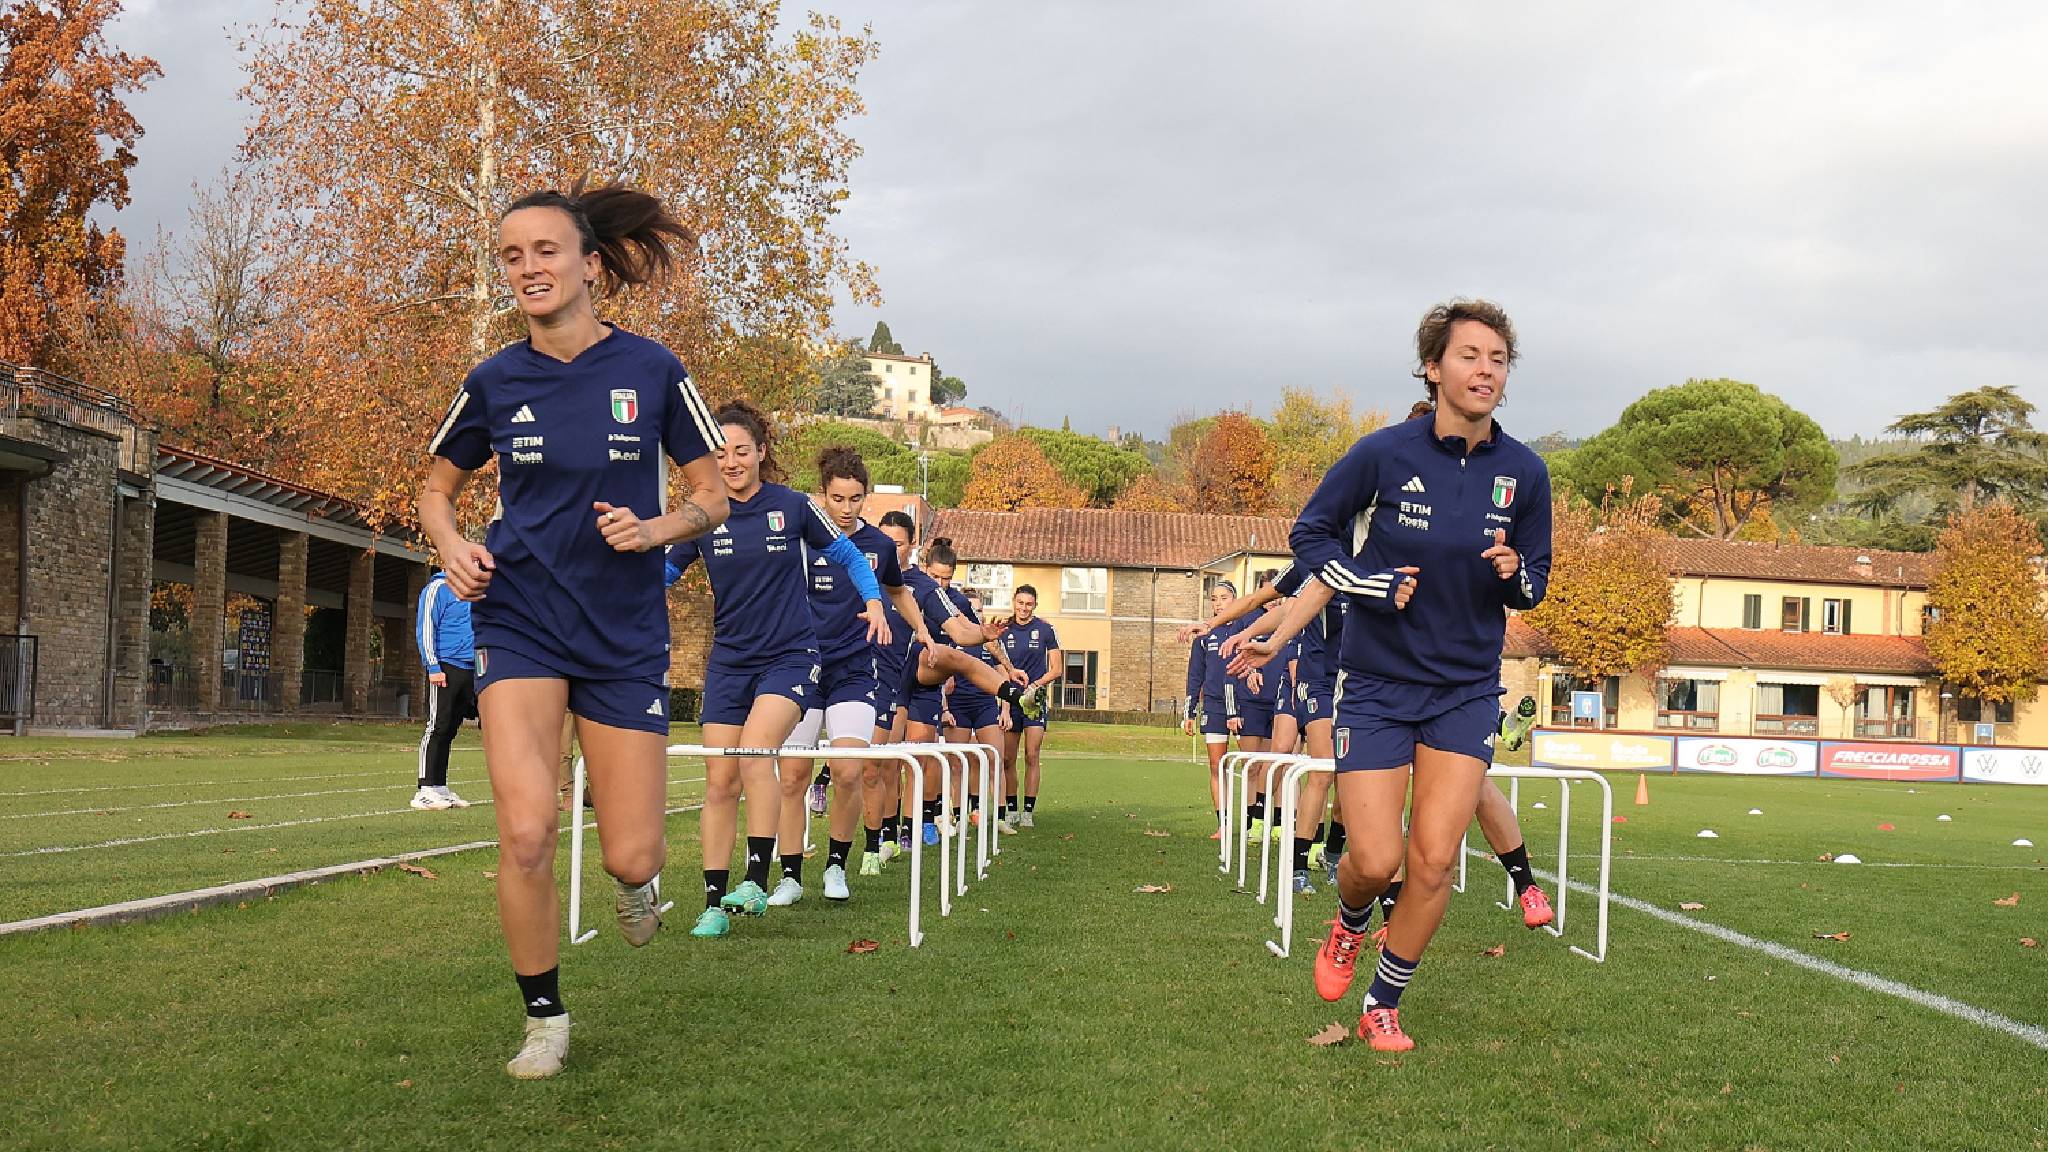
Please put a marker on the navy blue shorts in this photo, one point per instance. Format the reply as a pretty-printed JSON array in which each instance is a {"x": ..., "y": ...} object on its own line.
[
  {"x": 975, "y": 709},
  {"x": 1214, "y": 716},
  {"x": 850, "y": 679},
  {"x": 1316, "y": 701},
  {"x": 1380, "y": 723},
  {"x": 885, "y": 700},
  {"x": 1257, "y": 717},
  {"x": 729, "y": 693},
  {"x": 640, "y": 704}
]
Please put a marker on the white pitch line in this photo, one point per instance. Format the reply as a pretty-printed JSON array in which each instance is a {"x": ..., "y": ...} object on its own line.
[
  {"x": 199, "y": 783},
  {"x": 154, "y": 906},
  {"x": 2029, "y": 1033},
  {"x": 127, "y": 841},
  {"x": 1816, "y": 863},
  {"x": 222, "y": 800}
]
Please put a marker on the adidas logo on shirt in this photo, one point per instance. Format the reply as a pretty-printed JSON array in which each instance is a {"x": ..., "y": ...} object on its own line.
[
  {"x": 654, "y": 709},
  {"x": 1414, "y": 484},
  {"x": 523, "y": 416}
]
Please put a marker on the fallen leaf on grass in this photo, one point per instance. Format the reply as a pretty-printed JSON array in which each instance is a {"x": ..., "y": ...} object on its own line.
[
  {"x": 1151, "y": 888},
  {"x": 1727, "y": 1088},
  {"x": 2011, "y": 901},
  {"x": 1156, "y": 832},
  {"x": 1826, "y": 857},
  {"x": 1692, "y": 906},
  {"x": 1496, "y": 951},
  {"x": 488, "y": 875},
  {"x": 422, "y": 873},
  {"x": 2029, "y": 942},
  {"x": 1328, "y": 1035},
  {"x": 1130, "y": 815},
  {"x": 862, "y": 947},
  {"x": 1068, "y": 836},
  {"x": 1830, "y": 935},
  {"x": 238, "y": 814},
  {"x": 405, "y": 1083}
]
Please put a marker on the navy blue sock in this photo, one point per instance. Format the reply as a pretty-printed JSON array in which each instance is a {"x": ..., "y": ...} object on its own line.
[
  {"x": 1389, "y": 980},
  {"x": 1354, "y": 919}
]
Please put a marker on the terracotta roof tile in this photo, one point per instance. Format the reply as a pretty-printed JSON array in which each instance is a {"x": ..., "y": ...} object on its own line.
[
  {"x": 1109, "y": 538},
  {"x": 1815, "y": 563},
  {"x": 1740, "y": 648}
]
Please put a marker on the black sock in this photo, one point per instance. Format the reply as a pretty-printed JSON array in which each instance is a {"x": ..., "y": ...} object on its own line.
[
  {"x": 1010, "y": 692},
  {"x": 974, "y": 802},
  {"x": 1387, "y": 900},
  {"x": 1030, "y": 802},
  {"x": 1334, "y": 846},
  {"x": 1251, "y": 811},
  {"x": 931, "y": 811},
  {"x": 793, "y": 866},
  {"x": 542, "y": 993},
  {"x": 715, "y": 882},
  {"x": 1301, "y": 846},
  {"x": 1516, "y": 861},
  {"x": 1319, "y": 833},
  {"x": 888, "y": 827},
  {"x": 874, "y": 839},
  {"x": 1009, "y": 804},
  {"x": 759, "y": 849},
  {"x": 836, "y": 852},
  {"x": 823, "y": 775}
]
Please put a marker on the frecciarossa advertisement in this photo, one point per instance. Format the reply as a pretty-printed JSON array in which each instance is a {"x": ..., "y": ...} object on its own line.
[{"x": 1875, "y": 761}]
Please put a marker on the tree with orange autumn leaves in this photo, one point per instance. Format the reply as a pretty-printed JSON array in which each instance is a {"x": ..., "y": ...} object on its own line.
[
  {"x": 1988, "y": 631},
  {"x": 1013, "y": 472},
  {"x": 1610, "y": 597},
  {"x": 390, "y": 135},
  {"x": 60, "y": 98}
]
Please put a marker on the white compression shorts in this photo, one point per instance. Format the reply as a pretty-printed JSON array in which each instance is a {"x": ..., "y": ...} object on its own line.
[{"x": 846, "y": 720}]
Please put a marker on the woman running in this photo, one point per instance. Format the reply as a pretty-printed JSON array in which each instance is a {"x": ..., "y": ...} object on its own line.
[
  {"x": 850, "y": 686},
  {"x": 765, "y": 667},
  {"x": 976, "y": 715},
  {"x": 1459, "y": 517},
  {"x": 881, "y": 790},
  {"x": 568, "y": 611},
  {"x": 1211, "y": 704},
  {"x": 1034, "y": 649}
]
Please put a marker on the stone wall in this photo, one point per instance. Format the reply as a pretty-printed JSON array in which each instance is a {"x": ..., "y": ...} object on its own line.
[
  {"x": 71, "y": 527},
  {"x": 131, "y": 614},
  {"x": 1147, "y": 662},
  {"x": 10, "y": 538},
  {"x": 689, "y": 622}
]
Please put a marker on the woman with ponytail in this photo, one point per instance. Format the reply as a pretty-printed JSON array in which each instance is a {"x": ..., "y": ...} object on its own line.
[{"x": 568, "y": 611}]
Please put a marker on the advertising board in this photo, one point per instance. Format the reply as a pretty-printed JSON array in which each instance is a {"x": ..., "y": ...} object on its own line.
[
  {"x": 1746, "y": 756},
  {"x": 1882, "y": 761},
  {"x": 1601, "y": 751}
]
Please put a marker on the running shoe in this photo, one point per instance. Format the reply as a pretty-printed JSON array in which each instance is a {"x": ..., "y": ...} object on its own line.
[
  {"x": 1005, "y": 828},
  {"x": 974, "y": 818},
  {"x": 1024, "y": 819},
  {"x": 1514, "y": 727},
  {"x": 1316, "y": 853},
  {"x": 870, "y": 864},
  {"x": 1535, "y": 907},
  {"x": 545, "y": 1050},
  {"x": 1337, "y": 961},
  {"x": 1275, "y": 832},
  {"x": 453, "y": 800},
  {"x": 903, "y": 838},
  {"x": 931, "y": 834},
  {"x": 712, "y": 922},
  {"x": 1301, "y": 885},
  {"x": 1216, "y": 835},
  {"x": 945, "y": 826},
  {"x": 748, "y": 899},
  {"x": 787, "y": 891},
  {"x": 1381, "y": 1028},
  {"x": 1032, "y": 705},
  {"x": 890, "y": 850},
  {"x": 835, "y": 884},
  {"x": 1257, "y": 831},
  {"x": 639, "y": 912},
  {"x": 818, "y": 797},
  {"x": 1330, "y": 868},
  {"x": 1379, "y": 937},
  {"x": 428, "y": 800}
]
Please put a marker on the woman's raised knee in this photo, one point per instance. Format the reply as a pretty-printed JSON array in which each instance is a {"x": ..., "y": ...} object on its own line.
[{"x": 528, "y": 845}]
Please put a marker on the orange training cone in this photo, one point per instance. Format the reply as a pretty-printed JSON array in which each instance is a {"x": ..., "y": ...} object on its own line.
[{"x": 1642, "y": 789}]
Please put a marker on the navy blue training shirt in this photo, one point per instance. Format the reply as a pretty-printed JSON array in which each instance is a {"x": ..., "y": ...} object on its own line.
[
  {"x": 567, "y": 436},
  {"x": 1321, "y": 637},
  {"x": 1206, "y": 667},
  {"x": 837, "y": 606},
  {"x": 760, "y": 578},
  {"x": 1402, "y": 497},
  {"x": 1028, "y": 645},
  {"x": 964, "y": 608}
]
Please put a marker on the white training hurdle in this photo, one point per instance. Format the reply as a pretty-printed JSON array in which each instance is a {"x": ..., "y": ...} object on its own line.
[
  {"x": 1233, "y": 785},
  {"x": 1290, "y": 799},
  {"x": 952, "y": 880}
]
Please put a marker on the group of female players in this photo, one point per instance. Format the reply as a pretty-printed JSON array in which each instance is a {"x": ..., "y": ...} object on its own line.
[{"x": 1428, "y": 530}]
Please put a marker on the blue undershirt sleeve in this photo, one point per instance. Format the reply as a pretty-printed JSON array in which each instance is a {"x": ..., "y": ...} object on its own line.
[{"x": 844, "y": 553}]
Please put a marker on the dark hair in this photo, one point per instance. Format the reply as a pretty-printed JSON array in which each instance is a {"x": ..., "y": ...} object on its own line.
[
  {"x": 898, "y": 518},
  {"x": 745, "y": 415},
  {"x": 1420, "y": 408},
  {"x": 1224, "y": 584},
  {"x": 940, "y": 551},
  {"x": 1266, "y": 576},
  {"x": 630, "y": 230},
  {"x": 840, "y": 463},
  {"x": 1433, "y": 336},
  {"x": 1023, "y": 590}
]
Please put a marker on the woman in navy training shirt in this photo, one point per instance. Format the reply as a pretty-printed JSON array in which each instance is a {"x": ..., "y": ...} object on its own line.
[
  {"x": 567, "y": 589},
  {"x": 1034, "y": 649},
  {"x": 1209, "y": 704},
  {"x": 881, "y": 788},
  {"x": 1459, "y": 532},
  {"x": 764, "y": 669},
  {"x": 850, "y": 687}
]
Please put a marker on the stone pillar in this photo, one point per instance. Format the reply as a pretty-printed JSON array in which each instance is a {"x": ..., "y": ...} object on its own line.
[
  {"x": 288, "y": 621},
  {"x": 410, "y": 671},
  {"x": 355, "y": 668},
  {"x": 209, "y": 603},
  {"x": 131, "y": 621}
]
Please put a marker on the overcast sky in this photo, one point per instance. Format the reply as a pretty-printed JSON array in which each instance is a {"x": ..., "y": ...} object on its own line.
[{"x": 1127, "y": 212}]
